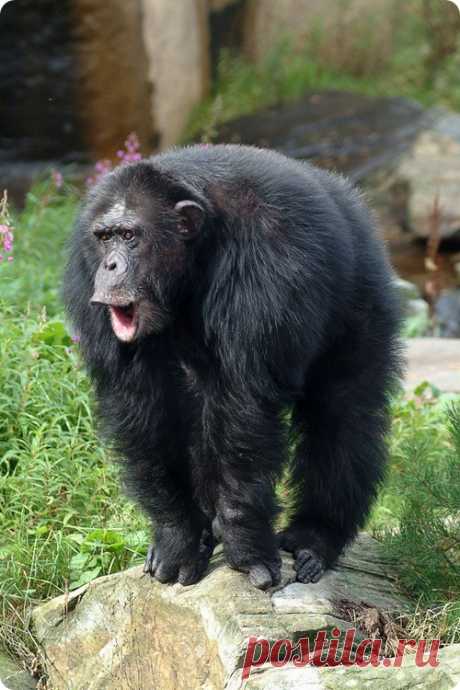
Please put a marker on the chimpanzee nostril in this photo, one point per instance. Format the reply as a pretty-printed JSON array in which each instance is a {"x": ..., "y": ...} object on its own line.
[{"x": 116, "y": 264}]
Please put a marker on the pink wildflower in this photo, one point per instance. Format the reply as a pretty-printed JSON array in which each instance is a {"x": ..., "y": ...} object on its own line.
[
  {"x": 101, "y": 168},
  {"x": 6, "y": 231},
  {"x": 57, "y": 178},
  {"x": 129, "y": 154}
]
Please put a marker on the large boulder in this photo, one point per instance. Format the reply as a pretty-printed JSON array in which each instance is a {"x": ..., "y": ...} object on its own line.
[
  {"x": 406, "y": 157},
  {"x": 430, "y": 171},
  {"x": 127, "y": 631}
]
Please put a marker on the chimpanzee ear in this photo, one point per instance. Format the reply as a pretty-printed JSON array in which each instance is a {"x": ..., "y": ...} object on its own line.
[{"x": 191, "y": 216}]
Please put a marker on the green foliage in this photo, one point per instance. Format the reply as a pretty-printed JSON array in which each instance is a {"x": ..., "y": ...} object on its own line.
[
  {"x": 62, "y": 518},
  {"x": 417, "y": 326},
  {"x": 418, "y": 60},
  {"x": 417, "y": 516},
  {"x": 428, "y": 538},
  {"x": 242, "y": 87},
  {"x": 33, "y": 279},
  {"x": 103, "y": 551},
  {"x": 446, "y": 83}
]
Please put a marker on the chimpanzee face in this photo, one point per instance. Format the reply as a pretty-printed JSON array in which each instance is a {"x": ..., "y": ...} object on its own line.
[{"x": 142, "y": 236}]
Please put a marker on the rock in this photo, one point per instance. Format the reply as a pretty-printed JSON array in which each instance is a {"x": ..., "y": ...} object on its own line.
[
  {"x": 430, "y": 169},
  {"x": 447, "y": 314},
  {"x": 349, "y": 132},
  {"x": 404, "y": 156},
  {"x": 176, "y": 38},
  {"x": 446, "y": 675},
  {"x": 415, "y": 309},
  {"x": 436, "y": 360},
  {"x": 127, "y": 631},
  {"x": 13, "y": 676}
]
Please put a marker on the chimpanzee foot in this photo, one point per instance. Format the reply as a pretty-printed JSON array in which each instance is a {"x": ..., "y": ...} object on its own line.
[
  {"x": 264, "y": 569},
  {"x": 313, "y": 552},
  {"x": 171, "y": 559},
  {"x": 265, "y": 575},
  {"x": 261, "y": 575},
  {"x": 309, "y": 566}
]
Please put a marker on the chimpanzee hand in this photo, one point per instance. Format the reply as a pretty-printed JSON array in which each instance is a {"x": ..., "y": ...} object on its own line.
[{"x": 180, "y": 554}]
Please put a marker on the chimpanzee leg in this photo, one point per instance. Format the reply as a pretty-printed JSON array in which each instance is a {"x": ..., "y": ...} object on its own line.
[
  {"x": 244, "y": 443},
  {"x": 337, "y": 468},
  {"x": 183, "y": 539}
]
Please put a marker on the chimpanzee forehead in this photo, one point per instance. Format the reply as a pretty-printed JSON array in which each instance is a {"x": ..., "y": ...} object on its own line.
[
  {"x": 129, "y": 211},
  {"x": 138, "y": 194},
  {"x": 118, "y": 212}
]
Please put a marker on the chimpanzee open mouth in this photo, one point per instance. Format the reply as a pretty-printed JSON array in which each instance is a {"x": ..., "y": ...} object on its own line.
[{"x": 125, "y": 321}]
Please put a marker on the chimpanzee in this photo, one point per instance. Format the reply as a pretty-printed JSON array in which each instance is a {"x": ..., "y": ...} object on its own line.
[{"x": 237, "y": 315}]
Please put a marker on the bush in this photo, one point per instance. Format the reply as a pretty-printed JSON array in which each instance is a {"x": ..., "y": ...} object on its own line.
[{"x": 417, "y": 516}]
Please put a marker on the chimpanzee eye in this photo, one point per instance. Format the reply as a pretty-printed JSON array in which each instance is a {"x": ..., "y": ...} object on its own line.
[
  {"x": 128, "y": 235},
  {"x": 104, "y": 236}
]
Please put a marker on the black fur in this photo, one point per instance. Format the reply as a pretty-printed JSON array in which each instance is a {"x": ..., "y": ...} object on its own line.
[{"x": 284, "y": 299}]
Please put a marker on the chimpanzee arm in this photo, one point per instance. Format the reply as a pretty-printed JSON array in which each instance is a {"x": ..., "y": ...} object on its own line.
[{"x": 143, "y": 414}]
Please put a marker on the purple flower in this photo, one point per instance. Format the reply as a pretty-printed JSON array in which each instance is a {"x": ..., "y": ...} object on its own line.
[
  {"x": 57, "y": 178},
  {"x": 129, "y": 154},
  {"x": 101, "y": 168},
  {"x": 6, "y": 239}
]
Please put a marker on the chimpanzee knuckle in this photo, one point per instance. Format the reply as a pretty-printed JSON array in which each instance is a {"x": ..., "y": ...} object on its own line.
[
  {"x": 166, "y": 572},
  {"x": 260, "y": 576}
]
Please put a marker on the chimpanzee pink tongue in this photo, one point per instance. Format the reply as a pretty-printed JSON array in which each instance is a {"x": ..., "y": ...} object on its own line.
[{"x": 124, "y": 322}]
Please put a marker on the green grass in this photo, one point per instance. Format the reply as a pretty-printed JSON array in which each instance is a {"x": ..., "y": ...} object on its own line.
[
  {"x": 57, "y": 489},
  {"x": 63, "y": 518},
  {"x": 412, "y": 65},
  {"x": 32, "y": 281}
]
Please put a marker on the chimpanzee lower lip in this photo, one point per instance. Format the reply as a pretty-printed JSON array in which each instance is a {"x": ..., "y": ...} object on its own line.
[{"x": 124, "y": 321}]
